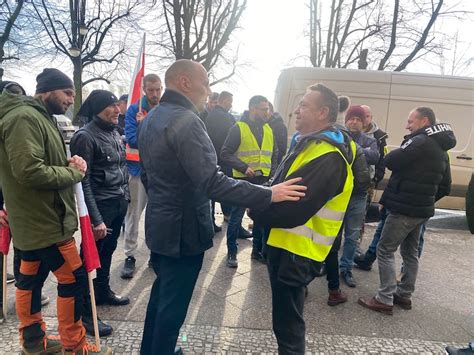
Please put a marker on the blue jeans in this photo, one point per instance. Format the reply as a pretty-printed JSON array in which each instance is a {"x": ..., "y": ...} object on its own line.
[
  {"x": 233, "y": 228},
  {"x": 378, "y": 232},
  {"x": 353, "y": 220}
]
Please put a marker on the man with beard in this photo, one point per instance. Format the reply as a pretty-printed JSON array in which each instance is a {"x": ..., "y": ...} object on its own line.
[
  {"x": 37, "y": 181},
  {"x": 135, "y": 115},
  {"x": 105, "y": 190}
]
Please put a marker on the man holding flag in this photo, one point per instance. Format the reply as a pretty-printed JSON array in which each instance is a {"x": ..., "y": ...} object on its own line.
[
  {"x": 136, "y": 113},
  {"x": 37, "y": 182},
  {"x": 105, "y": 189}
]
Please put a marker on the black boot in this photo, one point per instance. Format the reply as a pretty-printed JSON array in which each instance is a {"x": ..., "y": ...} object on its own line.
[
  {"x": 109, "y": 297},
  {"x": 104, "y": 329},
  {"x": 365, "y": 261},
  {"x": 258, "y": 256},
  {"x": 128, "y": 268},
  {"x": 244, "y": 234},
  {"x": 232, "y": 260}
]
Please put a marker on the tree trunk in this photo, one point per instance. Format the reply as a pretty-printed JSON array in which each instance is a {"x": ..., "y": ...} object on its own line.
[{"x": 77, "y": 78}]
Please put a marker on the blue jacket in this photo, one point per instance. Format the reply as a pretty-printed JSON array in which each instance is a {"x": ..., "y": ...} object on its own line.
[
  {"x": 180, "y": 175},
  {"x": 131, "y": 128}
]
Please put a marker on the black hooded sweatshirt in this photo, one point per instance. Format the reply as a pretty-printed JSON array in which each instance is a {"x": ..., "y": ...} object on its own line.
[{"x": 421, "y": 172}]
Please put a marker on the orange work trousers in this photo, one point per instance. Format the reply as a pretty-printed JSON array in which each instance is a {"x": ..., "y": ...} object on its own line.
[{"x": 32, "y": 267}]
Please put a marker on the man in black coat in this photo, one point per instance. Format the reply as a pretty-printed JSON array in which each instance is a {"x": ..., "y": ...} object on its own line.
[
  {"x": 180, "y": 174},
  {"x": 105, "y": 188},
  {"x": 420, "y": 176},
  {"x": 218, "y": 124}
]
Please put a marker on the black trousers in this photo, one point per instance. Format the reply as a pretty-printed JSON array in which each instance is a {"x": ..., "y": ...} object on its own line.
[
  {"x": 287, "y": 308},
  {"x": 169, "y": 301},
  {"x": 332, "y": 264},
  {"x": 113, "y": 212}
]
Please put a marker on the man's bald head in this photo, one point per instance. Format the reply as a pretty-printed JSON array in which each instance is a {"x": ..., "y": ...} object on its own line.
[
  {"x": 190, "y": 79},
  {"x": 179, "y": 68}
]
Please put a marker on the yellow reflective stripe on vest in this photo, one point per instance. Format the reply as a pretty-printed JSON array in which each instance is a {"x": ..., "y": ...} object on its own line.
[
  {"x": 254, "y": 152},
  {"x": 314, "y": 238},
  {"x": 257, "y": 158},
  {"x": 311, "y": 234},
  {"x": 327, "y": 213}
]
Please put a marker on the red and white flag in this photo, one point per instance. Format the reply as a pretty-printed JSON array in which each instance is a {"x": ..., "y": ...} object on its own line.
[
  {"x": 5, "y": 238},
  {"x": 89, "y": 248},
  {"x": 135, "y": 92}
]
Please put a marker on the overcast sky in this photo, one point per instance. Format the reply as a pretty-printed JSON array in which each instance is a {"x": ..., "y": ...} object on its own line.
[{"x": 271, "y": 38}]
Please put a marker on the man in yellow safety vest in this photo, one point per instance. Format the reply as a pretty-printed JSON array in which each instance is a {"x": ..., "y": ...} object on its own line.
[
  {"x": 302, "y": 233},
  {"x": 250, "y": 150}
]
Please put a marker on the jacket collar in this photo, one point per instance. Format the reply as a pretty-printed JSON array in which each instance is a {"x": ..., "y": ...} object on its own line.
[
  {"x": 416, "y": 133},
  {"x": 246, "y": 118},
  {"x": 174, "y": 97}
]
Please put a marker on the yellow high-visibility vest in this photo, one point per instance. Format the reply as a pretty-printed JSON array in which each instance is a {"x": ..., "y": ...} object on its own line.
[
  {"x": 251, "y": 154},
  {"x": 314, "y": 238}
]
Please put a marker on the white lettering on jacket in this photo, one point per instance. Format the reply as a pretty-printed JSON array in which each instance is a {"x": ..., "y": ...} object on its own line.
[
  {"x": 407, "y": 143},
  {"x": 438, "y": 128}
]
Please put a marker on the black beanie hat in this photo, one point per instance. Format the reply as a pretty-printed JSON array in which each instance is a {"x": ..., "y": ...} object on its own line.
[
  {"x": 96, "y": 102},
  {"x": 51, "y": 79}
]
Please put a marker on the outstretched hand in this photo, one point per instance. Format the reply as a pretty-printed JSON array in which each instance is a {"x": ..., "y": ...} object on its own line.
[{"x": 288, "y": 191}]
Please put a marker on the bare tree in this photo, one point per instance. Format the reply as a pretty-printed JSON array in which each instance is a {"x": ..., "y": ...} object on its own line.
[
  {"x": 91, "y": 35},
  {"x": 9, "y": 13},
  {"x": 376, "y": 33},
  {"x": 201, "y": 30}
]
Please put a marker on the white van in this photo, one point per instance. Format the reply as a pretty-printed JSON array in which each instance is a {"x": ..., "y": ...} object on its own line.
[{"x": 392, "y": 95}]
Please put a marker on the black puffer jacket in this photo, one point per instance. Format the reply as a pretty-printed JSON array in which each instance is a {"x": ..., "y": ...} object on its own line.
[
  {"x": 100, "y": 145},
  {"x": 421, "y": 173}
]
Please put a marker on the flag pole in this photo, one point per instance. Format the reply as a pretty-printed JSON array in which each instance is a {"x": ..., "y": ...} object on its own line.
[
  {"x": 141, "y": 96},
  {"x": 91, "y": 257},
  {"x": 141, "y": 81},
  {"x": 4, "y": 290},
  {"x": 94, "y": 310}
]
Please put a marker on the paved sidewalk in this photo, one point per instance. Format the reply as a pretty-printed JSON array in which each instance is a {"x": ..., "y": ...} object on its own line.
[
  {"x": 197, "y": 339},
  {"x": 231, "y": 309}
]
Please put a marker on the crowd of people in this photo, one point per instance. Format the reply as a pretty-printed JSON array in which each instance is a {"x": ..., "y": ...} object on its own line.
[{"x": 174, "y": 155}]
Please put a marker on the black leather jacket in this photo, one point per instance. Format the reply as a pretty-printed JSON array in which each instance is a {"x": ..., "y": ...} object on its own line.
[{"x": 100, "y": 145}]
